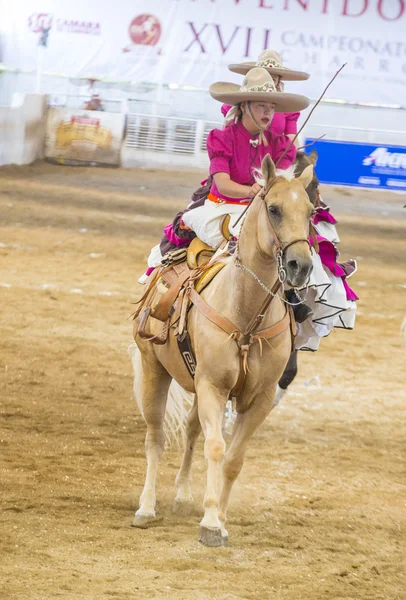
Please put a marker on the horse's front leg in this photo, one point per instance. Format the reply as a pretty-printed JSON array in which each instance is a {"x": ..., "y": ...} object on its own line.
[
  {"x": 244, "y": 428},
  {"x": 183, "y": 504},
  {"x": 211, "y": 404}
]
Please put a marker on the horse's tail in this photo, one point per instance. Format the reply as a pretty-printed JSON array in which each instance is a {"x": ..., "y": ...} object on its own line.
[
  {"x": 403, "y": 328},
  {"x": 178, "y": 405}
]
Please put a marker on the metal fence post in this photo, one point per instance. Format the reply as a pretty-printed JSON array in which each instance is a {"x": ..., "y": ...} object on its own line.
[{"x": 199, "y": 133}]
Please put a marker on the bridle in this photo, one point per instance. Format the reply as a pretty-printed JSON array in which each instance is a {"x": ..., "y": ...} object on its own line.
[{"x": 279, "y": 250}]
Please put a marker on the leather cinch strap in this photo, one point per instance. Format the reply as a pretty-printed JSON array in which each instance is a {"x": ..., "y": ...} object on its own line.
[
  {"x": 211, "y": 314},
  {"x": 246, "y": 339}
]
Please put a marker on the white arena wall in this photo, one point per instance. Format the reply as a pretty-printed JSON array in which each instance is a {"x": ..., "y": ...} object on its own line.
[
  {"x": 22, "y": 129},
  {"x": 170, "y": 135}
]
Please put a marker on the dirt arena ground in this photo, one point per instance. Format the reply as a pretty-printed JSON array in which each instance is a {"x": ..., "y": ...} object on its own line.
[{"x": 319, "y": 509}]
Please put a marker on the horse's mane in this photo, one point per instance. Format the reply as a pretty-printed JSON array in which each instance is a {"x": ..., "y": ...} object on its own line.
[{"x": 287, "y": 174}]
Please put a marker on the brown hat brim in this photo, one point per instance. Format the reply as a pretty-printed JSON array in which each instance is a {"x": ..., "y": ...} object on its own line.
[
  {"x": 230, "y": 93},
  {"x": 286, "y": 74}
]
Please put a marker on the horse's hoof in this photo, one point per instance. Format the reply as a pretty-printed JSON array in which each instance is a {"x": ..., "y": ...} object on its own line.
[
  {"x": 143, "y": 521},
  {"x": 225, "y": 540},
  {"x": 183, "y": 508},
  {"x": 210, "y": 536}
]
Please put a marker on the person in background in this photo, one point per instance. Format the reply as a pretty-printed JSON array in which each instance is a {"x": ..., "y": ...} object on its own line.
[
  {"x": 282, "y": 123},
  {"x": 94, "y": 103}
]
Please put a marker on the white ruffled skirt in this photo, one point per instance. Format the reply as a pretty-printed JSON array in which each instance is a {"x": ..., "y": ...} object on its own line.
[{"x": 327, "y": 297}]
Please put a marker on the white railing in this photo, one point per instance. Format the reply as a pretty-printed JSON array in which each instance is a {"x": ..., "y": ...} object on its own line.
[
  {"x": 182, "y": 142},
  {"x": 168, "y": 134},
  {"x": 174, "y": 136}
]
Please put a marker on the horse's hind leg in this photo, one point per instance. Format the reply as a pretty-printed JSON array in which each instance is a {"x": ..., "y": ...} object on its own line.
[
  {"x": 183, "y": 504},
  {"x": 151, "y": 384}
]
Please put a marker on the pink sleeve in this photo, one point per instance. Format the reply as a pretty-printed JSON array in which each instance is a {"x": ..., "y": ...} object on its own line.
[
  {"x": 280, "y": 144},
  {"x": 220, "y": 150},
  {"x": 291, "y": 122},
  {"x": 224, "y": 109}
]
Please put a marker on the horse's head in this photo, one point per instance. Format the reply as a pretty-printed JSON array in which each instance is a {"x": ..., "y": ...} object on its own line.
[
  {"x": 302, "y": 161},
  {"x": 286, "y": 228}
]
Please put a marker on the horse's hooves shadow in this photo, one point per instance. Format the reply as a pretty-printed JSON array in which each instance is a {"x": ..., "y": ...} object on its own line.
[
  {"x": 146, "y": 521},
  {"x": 184, "y": 509}
]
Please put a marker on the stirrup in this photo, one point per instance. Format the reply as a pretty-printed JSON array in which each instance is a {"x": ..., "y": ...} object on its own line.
[{"x": 198, "y": 253}]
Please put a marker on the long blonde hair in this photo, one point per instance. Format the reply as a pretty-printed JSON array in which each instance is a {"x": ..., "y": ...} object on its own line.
[{"x": 235, "y": 115}]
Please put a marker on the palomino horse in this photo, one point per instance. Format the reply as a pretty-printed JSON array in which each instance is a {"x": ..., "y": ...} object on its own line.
[{"x": 278, "y": 218}]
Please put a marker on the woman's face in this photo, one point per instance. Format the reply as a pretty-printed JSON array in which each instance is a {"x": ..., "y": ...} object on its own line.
[
  {"x": 277, "y": 81},
  {"x": 263, "y": 113}
]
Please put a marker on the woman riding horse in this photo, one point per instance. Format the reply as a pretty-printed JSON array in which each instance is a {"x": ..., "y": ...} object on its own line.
[
  {"x": 282, "y": 123},
  {"x": 235, "y": 153},
  {"x": 223, "y": 328}
]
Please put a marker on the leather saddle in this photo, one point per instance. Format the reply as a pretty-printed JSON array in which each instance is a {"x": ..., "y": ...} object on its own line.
[{"x": 161, "y": 299}]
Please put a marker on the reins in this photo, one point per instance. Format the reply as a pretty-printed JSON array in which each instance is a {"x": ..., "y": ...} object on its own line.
[{"x": 278, "y": 249}]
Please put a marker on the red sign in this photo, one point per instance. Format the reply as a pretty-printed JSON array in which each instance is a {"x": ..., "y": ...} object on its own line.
[
  {"x": 85, "y": 121},
  {"x": 37, "y": 22},
  {"x": 145, "y": 30}
]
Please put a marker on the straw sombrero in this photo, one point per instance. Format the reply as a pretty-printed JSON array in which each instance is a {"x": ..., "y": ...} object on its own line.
[
  {"x": 258, "y": 86},
  {"x": 272, "y": 62}
]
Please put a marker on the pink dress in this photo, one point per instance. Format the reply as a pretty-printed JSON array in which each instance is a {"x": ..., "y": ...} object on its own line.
[
  {"x": 235, "y": 151},
  {"x": 282, "y": 123},
  {"x": 230, "y": 151}
]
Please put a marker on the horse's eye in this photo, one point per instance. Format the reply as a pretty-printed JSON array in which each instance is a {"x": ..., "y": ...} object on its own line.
[{"x": 274, "y": 211}]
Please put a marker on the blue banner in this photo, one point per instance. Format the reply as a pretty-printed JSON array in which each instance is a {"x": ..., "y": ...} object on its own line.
[{"x": 362, "y": 165}]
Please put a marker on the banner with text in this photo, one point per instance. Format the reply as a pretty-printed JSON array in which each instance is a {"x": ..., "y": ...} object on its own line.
[
  {"x": 361, "y": 165},
  {"x": 191, "y": 42}
]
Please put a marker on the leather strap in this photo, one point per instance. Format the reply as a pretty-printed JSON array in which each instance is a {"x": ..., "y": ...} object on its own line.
[
  {"x": 257, "y": 319},
  {"x": 162, "y": 309},
  {"x": 161, "y": 338},
  {"x": 313, "y": 234},
  {"x": 150, "y": 286},
  {"x": 274, "y": 330},
  {"x": 231, "y": 329},
  {"x": 264, "y": 334},
  {"x": 211, "y": 314}
]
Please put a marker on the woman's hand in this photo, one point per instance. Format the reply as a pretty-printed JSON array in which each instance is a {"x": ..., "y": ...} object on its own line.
[
  {"x": 254, "y": 190},
  {"x": 231, "y": 189}
]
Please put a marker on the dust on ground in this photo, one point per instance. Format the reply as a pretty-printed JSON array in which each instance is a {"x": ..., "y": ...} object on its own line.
[{"x": 318, "y": 511}]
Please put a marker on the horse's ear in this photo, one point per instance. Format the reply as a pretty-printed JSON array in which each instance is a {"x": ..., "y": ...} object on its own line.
[
  {"x": 268, "y": 168},
  {"x": 313, "y": 157},
  {"x": 307, "y": 176}
]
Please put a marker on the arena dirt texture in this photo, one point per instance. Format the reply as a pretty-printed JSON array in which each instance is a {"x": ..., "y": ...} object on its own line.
[{"x": 318, "y": 512}]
